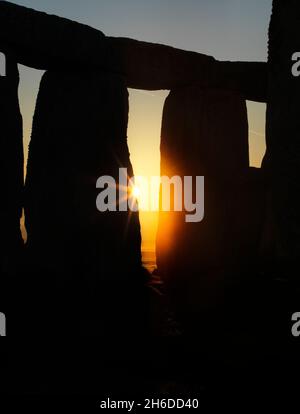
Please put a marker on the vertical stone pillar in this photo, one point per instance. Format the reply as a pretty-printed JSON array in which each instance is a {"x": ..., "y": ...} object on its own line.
[
  {"x": 205, "y": 133},
  {"x": 283, "y": 125},
  {"x": 11, "y": 180},
  {"x": 91, "y": 259}
]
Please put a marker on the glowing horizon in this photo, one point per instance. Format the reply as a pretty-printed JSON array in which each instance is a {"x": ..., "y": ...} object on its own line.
[{"x": 226, "y": 30}]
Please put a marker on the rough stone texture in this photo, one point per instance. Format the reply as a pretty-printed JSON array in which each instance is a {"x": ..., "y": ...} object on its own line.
[
  {"x": 197, "y": 256},
  {"x": 49, "y": 42},
  {"x": 11, "y": 170},
  {"x": 153, "y": 66},
  {"x": 45, "y": 41},
  {"x": 248, "y": 79},
  {"x": 92, "y": 258},
  {"x": 283, "y": 123}
]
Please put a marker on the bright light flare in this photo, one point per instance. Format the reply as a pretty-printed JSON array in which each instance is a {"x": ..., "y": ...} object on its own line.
[{"x": 136, "y": 192}]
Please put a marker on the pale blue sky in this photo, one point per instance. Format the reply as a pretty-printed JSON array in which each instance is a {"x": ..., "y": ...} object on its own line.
[{"x": 228, "y": 29}]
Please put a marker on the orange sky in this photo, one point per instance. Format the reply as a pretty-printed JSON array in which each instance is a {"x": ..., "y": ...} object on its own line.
[
  {"x": 231, "y": 30},
  {"x": 144, "y": 140}
]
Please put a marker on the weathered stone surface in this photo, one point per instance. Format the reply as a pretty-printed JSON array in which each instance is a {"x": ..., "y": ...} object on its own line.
[
  {"x": 248, "y": 79},
  {"x": 11, "y": 184},
  {"x": 11, "y": 169},
  {"x": 90, "y": 261},
  {"x": 205, "y": 133},
  {"x": 153, "y": 66},
  {"x": 47, "y": 42},
  {"x": 283, "y": 123}
]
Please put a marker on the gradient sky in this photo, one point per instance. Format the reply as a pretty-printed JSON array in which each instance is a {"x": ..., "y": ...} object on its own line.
[{"x": 228, "y": 30}]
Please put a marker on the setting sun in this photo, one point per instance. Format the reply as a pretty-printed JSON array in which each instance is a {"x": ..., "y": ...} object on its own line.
[{"x": 136, "y": 192}]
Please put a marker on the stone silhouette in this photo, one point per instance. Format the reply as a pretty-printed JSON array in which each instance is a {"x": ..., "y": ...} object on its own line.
[
  {"x": 93, "y": 258},
  {"x": 50, "y": 42},
  {"x": 11, "y": 176},
  {"x": 283, "y": 150},
  {"x": 154, "y": 66},
  {"x": 79, "y": 134},
  {"x": 82, "y": 272},
  {"x": 196, "y": 258},
  {"x": 44, "y": 41}
]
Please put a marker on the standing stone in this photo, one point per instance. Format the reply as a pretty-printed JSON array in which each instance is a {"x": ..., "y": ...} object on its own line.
[
  {"x": 205, "y": 133},
  {"x": 11, "y": 178},
  {"x": 154, "y": 66},
  {"x": 91, "y": 259},
  {"x": 45, "y": 41},
  {"x": 283, "y": 123}
]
